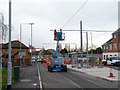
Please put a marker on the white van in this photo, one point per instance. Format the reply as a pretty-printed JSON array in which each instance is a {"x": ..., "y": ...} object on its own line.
[{"x": 113, "y": 60}]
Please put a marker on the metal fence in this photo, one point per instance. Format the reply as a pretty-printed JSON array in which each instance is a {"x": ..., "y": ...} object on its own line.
[{"x": 76, "y": 61}]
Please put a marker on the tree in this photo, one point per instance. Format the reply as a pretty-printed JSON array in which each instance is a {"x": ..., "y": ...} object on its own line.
[
  {"x": 3, "y": 29},
  {"x": 64, "y": 51}
]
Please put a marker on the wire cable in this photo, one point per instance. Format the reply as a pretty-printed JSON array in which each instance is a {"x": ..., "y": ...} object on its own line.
[{"x": 74, "y": 14}]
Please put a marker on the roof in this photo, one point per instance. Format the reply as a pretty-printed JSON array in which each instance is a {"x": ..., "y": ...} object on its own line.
[
  {"x": 117, "y": 31},
  {"x": 14, "y": 44},
  {"x": 107, "y": 42},
  {"x": 35, "y": 52},
  {"x": 46, "y": 52}
]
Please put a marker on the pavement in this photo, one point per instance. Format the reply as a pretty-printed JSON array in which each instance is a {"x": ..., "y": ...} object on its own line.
[
  {"x": 29, "y": 79},
  {"x": 99, "y": 72}
]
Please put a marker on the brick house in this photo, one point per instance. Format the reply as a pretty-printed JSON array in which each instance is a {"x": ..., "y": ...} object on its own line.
[
  {"x": 112, "y": 46},
  {"x": 15, "y": 53}
]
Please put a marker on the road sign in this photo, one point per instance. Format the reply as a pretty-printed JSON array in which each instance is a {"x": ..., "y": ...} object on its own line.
[{"x": 22, "y": 54}]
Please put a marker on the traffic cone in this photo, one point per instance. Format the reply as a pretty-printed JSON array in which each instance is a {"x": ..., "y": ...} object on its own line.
[{"x": 111, "y": 74}]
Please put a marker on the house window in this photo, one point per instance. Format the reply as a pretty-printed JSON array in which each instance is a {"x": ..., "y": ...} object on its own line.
[
  {"x": 114, "y": 35},
  {"x": 114, "y": 46},
  {"x": 110, "y": 47},
  {"x": 106, "y": 47}
]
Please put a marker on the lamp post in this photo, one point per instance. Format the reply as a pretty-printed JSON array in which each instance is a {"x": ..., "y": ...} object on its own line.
[
  {"x": 9, "y": 70},
  {"x": 21, "y": 39},
  {"x": 31, "y": 41}
]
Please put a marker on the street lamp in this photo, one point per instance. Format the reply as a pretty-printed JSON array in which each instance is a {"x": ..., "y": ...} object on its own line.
[
  {"x": 9, "y": 70},
  {"x": 31, "y": 41},
  {"x": 21, "y": 37}
]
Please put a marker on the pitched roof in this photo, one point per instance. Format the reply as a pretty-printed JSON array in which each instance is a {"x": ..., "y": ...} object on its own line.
[
  {"x": 117, "y": 31},
  {"x": 14, "y": 44},
  {"x": 46, "y": 52},
  {"x": 107, "y": 42}
]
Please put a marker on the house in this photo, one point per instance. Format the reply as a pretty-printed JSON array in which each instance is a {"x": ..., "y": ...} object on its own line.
[
  {"x": 112, "y": 46},
  {"x": 46, "y": 53},
  {"x": 15, "y": 53}
]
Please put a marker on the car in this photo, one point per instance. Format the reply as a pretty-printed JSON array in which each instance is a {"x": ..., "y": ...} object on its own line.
[
  {"x": 33, "y": 60},
  {"x": 39, "y": 60}
]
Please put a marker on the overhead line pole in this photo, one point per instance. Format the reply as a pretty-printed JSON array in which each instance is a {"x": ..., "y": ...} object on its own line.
[
  {"x": 81, "y": 44},
  {"x": 87, "y": 47}
]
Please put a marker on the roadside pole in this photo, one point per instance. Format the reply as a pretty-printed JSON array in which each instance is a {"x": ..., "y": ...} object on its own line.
[
  {"x": 9, "y": 70},
  {"x": 87, "y": 48},
  {"x": 31, "y": 41},
  {"x": 81, "y": 43},
  {"x": 92, "y": 50},
  {"x": 20, "y": 42}
]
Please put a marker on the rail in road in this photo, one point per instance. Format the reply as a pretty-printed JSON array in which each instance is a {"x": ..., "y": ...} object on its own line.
[{"x": 71, "y": 79}]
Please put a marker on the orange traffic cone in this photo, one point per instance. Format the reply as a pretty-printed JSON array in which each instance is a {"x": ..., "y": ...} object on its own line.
[{"x": 111, "y": 74}]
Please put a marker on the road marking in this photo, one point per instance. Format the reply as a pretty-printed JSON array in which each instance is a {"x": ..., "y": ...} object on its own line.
[
  {"x": 92, "y": 82},
  {"x": 39, "y": 77},
  {"x": 73, "y": 83}
]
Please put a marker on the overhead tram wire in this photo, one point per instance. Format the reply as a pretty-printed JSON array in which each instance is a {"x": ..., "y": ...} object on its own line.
[
  {"x": 89, "y": 30},
  {"x": 74, "y": 14}
]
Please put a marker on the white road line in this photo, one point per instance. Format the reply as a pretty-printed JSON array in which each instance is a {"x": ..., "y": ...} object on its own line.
[
  {"x": 39, "y": 77},
  {"x": 92, "y": 82},
  {"x": 73, "y": 83}
]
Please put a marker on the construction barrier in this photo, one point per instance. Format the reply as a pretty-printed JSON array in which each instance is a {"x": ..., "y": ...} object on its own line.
[{"x": 67, "y": 62}]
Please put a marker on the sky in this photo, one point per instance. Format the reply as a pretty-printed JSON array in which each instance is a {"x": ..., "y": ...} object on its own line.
[{"x": 53, "y": 14}]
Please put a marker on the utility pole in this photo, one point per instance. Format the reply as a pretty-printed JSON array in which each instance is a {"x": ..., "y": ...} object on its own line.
[
  {"x": 81, "y": 43},
  {"x": 20, "y": 43},
  {"x": 9, "y": 70},
  {"x": 87, "y": 47},
  {"x": 31, "y": 41},
  {"x": 91, "y": 49}
]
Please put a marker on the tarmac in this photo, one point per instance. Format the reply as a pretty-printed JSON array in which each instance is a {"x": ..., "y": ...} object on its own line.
[
  {"x": 98, "y": 72},
  {"x": 29, "y": 79}
]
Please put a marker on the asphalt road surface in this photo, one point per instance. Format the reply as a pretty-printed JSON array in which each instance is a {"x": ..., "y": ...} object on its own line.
[{"x": 72, "y": 79}]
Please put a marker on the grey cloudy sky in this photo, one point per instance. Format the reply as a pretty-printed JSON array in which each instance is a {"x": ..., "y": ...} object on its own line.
[{"x": 53, "y": 14}]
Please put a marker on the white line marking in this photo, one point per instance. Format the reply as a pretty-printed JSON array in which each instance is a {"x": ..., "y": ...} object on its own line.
[
  {"x": 73, "y": 83},
  {"x": 39, "y": 77}
]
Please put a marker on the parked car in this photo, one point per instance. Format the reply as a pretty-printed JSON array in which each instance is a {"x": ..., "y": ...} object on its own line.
[
  {"x": 33, "y": 60},
  {"x": 39, "y": 60}
]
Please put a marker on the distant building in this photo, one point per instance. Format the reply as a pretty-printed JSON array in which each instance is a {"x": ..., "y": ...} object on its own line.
[
  {"x": 112, "y": 46},
  {"x": 47, "y": 53},
  {"x": 15, "y": 53}
]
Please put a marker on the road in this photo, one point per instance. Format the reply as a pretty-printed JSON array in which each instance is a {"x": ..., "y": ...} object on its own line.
[{"x": 72, "y": 79}]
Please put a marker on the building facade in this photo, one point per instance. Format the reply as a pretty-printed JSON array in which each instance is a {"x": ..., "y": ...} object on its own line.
[
  {"x": 15, "y": 53},
  {"x": 112, "y": 46}
]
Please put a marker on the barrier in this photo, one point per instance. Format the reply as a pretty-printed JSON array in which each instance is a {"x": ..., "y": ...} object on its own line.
[{"x": 67, "y": 62}]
